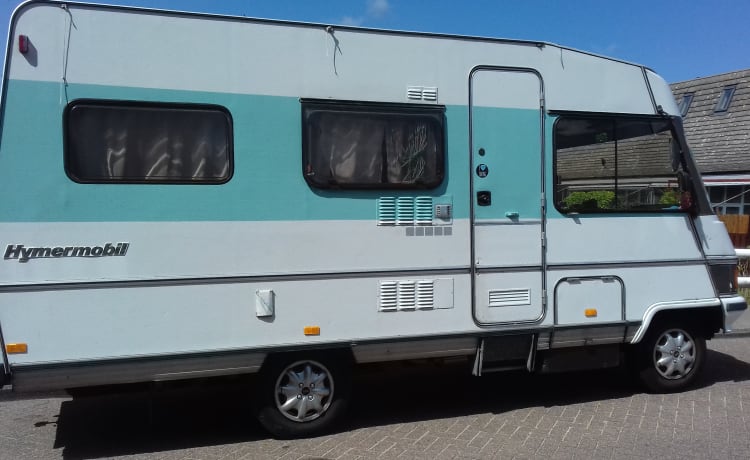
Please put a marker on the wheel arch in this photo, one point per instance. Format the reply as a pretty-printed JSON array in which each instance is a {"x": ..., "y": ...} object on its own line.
[
  {"x": 705, "y": 315},
  {"x": 342, "y": 353}
]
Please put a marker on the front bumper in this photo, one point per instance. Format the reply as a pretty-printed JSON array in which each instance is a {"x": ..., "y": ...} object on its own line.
[{"x": 733, "y": 308}]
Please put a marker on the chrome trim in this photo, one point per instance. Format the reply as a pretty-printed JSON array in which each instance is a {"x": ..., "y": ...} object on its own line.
[
  {"x": 509, "y": 269},
  {"x": 542, "y": 192},
  {"x": 488, "y": 222},
  {"x": 652, "y": 310},
  {"x": 131, "y": 370},
  {"x": 587, "y": 336},
  {"x": 420, "y": 349},
  {"x": 650, "y": 90},
  {"x": 229, "y": 280},
  {"x": 626, "y": 264}
]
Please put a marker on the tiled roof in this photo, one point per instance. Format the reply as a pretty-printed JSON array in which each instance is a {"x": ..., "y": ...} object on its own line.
[{"x": 720, "y": 141}]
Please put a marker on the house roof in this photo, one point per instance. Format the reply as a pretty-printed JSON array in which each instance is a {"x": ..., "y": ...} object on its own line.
[{"x": 720, "y": 141}]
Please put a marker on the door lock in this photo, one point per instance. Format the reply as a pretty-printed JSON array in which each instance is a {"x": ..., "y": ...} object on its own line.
[{"x": 484, "y": 198}]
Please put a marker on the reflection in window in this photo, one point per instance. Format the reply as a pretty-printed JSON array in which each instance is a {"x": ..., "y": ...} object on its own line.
[
  {"x": 730, "y": 199},
  {"x": 687, "y": 99},
  {"x": 132, "y": 142},
  {"x": 615, "y": 164},
  {"x": 372, "y": 146},
  {"x": 725, "y": 99}
]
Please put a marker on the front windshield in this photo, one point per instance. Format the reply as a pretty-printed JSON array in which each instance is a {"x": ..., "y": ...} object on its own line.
[{"x": 617, "y": 164}]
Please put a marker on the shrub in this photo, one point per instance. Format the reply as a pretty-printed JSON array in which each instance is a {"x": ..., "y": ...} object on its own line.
[{"x": 595, "y": 199}]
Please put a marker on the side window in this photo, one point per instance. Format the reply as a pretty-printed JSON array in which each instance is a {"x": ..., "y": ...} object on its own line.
[
  {"x": 615, "y": 165},
  {"x": 124, "y": 142},
  {"x": 348, "y": 145}
]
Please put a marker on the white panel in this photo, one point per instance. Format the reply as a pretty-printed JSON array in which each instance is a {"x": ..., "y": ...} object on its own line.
[
  {"x": 235, "y": 56},
  {"x": 575, "y": 295},
  {"x": 662, "y": 93},
  {"x": 647, "y": 285},
  {"x": 585, "y": 82},
  {"x": 136, "y": 321},
  {"x": 508, "y": 245},
  {"x": 505, "y": 89},
  {"x": 602, "y": 239},
  {"x": 167, "y": 250},
  {"x": 492, "y": 282},
  {"x": 444, "y": 293},
  {"x": 415, "y": 294},
  {"x": 714, "y": 237}
]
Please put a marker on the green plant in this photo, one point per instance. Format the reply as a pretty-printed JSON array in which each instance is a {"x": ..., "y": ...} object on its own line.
[
  {"x": 594, "y": 199},
  {"x": 670, "y": 197}
]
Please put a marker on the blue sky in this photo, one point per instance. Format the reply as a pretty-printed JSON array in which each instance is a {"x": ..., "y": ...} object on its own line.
[{"x": 681, "y": 40}]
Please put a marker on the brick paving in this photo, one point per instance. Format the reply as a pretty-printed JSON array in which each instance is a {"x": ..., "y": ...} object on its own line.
[{"x": 414, "y": 413}]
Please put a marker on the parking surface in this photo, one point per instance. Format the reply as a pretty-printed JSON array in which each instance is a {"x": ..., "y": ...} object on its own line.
[{"x": 415, "y": 412}]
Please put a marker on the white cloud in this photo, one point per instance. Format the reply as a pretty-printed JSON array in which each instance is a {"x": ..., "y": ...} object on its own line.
[
  {"x": 377, "y": 8},
  {"x": 351, "y": 21}
]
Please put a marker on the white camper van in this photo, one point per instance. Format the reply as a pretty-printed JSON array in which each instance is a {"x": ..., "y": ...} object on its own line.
[{"x": 189, "y": 195}]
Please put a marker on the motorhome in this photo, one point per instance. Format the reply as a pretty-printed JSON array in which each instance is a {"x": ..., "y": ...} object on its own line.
[{"x": 189, "y": 195}]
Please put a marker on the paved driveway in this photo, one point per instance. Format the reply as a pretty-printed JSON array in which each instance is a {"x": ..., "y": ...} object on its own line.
[{"x": 416, "y": 412}]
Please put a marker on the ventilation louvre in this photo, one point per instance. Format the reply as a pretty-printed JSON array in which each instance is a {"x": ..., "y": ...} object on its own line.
[
  {"x": 405, "y": 211},
  {"x": 407, "y": 295},
  {"x": 423, "y": 210},
  {"x": 387, "y": 211},
  {"x": 422, "y": 93},
  {"x": 429, "y": 94},
  {"x": 509, "y": 297},
  {"x": 388, "y": 296}
]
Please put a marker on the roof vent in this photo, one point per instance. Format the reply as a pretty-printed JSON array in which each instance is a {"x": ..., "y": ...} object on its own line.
[{"x": 422, "y": 93}]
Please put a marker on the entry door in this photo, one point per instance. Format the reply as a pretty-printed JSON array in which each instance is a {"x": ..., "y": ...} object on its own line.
[{"x": 508, "y": 215}]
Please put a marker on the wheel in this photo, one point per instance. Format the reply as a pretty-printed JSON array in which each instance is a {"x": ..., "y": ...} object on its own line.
[
  {"x": 671, "y": 358},
  {"x": 302, "y": 396}
]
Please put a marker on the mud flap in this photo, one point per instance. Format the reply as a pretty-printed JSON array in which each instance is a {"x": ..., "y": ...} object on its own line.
[{"x": 4, "y": 364}]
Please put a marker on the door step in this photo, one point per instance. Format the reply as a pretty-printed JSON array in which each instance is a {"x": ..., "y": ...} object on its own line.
[{"x": 504, "y": 353}]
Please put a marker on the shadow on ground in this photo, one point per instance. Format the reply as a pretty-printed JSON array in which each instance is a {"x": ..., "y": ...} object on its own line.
[{"x": 146, "y": 419}]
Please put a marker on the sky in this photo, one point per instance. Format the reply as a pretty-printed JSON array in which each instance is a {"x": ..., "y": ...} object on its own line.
[{"x": 680, "y": 40}]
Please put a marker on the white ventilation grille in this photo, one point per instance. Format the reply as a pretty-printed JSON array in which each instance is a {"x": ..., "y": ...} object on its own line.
[
  {"x": 414, "y": 93},
  {"x": 423, "y": 210},
  {"x": 388, "y": 296},
  {"x": 429, "y": 94},
  {"x": 387, "y": 211},
  {"x": 405, "y": 211},
  {"x": 407, "y": 295},
  {"x": 422, "y": 93},
  {"x": 425, "y": 294},
  {"x": 509, "y": 297}
]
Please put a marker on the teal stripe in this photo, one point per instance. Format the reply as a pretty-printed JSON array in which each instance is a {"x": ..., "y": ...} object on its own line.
[
  {"x": 511, "y": 140},
  {"x": 267, "y": 184}
]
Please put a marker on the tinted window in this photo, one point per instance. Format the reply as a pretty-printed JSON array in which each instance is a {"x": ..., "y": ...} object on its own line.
[
  {"x": 372, "y": 146},
  {"x": 615, "y": 164},
  {"x": 160, "y": 143}
]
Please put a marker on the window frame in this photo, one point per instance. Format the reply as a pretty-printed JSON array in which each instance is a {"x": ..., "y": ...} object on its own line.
[
  {"x": 684, "y": 106},
  {"x": 725, "y": 99},
  {"x": 114, "y": 104},
  {"x": 611, "y": 117},
  {"x": 435, "y": 112}
]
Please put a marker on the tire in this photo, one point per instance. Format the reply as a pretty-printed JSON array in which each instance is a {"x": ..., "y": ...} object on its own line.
[
  {"x": 303, "y": 395},
  {"x": 670, "y": 357}
]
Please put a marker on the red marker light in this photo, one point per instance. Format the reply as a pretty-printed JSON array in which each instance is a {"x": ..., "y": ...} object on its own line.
[{"x": 23, "y": 44}]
